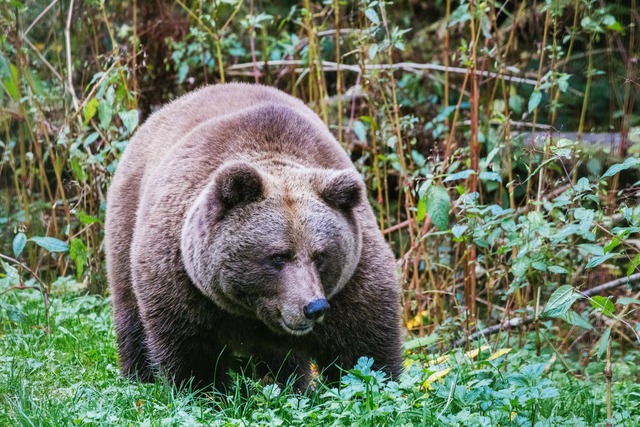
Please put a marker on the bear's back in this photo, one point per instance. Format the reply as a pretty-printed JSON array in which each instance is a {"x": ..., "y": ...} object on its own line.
[{"x": 174, "y": 121}]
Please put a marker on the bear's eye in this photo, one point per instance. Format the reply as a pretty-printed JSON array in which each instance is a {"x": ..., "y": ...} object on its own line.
[{"x": 280, "y": 259}]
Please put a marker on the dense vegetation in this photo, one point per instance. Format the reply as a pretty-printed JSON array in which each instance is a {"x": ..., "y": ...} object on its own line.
[{"x": 500, "y": 143}]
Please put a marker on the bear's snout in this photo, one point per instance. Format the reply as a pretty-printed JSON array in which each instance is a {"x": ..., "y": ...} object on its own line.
[{"x": 316, "y": 309}]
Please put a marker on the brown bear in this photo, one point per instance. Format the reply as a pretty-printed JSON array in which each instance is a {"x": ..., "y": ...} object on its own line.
[{"x": 236, "y": 222}]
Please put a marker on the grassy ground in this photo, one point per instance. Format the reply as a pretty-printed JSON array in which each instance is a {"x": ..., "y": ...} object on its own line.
[{"x": 71, "y": 378}]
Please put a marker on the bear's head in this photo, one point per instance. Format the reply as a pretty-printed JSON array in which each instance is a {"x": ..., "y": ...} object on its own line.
[{"x": 274, "y": 241}]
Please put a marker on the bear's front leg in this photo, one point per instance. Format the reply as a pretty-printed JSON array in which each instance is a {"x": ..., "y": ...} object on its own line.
[
  {"x": 284, "y": 368},
  {"x": 132, "y": 347},
  {"x": 186, "y": 354}
]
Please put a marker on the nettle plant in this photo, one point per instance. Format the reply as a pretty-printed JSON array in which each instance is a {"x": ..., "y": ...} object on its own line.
[
  {"x": 536, "y": 246},
  {"x": 582, "y": 222}
]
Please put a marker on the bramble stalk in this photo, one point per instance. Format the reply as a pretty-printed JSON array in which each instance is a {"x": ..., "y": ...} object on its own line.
[
  {"x": 627, "y": 102},
  {"x": 535, "y": 110},
  {"x": 447, "y": 18},
  {"x": 314, "y": 95},
  {"x": 339, "y": 88},
  {"x": 585, "y": 101},
  {"x": 474, "y": 155},
  {"x": 252, "y": 44},
  {"x": 134, "y": 49},
  {"x": 608, "y": 374}
]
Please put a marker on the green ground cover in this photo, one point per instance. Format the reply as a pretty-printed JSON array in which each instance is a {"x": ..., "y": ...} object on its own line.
[{"x": 70, "y": 377}]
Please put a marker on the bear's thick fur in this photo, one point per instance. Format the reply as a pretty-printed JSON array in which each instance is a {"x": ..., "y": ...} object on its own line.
[{"x": 233, "y": 216}]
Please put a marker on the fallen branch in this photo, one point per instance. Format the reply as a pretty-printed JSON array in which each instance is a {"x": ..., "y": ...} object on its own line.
[
  {"x": 406, "y": 66},
  {"x": 611, "y": 285},
  {"x": 519, "y": 321}
]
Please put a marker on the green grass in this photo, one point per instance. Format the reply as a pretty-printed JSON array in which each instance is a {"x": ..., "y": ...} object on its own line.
[{"x": 71, "y": 378}]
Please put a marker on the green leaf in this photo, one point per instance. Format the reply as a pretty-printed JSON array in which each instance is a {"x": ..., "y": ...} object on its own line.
[
  {"x": 612, "y": 24},
  {"x": 422, "y": 208},
  {"x": 534, "y": 100},
  {"x": 591, "y": 248},
  {"x": 556, "y": 269},
  {"x": 420, "y": 342},
  {"x": 590, "y": 25},
  {"x": 539, "y": 265},
  {"x": 627, "y": 164},
  {"x": 11, "y": 80},
  {"x": 87, "y": 219},
  {"x": 129, "y": 120},
  {"x": 458, "y": 230},
  {"x": 603, "y": 305},
  {"x": 78, "y": 254},
  {"x": 371, "y": 122},
  {"x": 183, "y": 71},
  {"x": 373, "y": 50},
  {"x": 597, "y": 260},
  {"x": 51, "y": 244},
  {"x": 633, "y": 265},
  {"x": 13, "y": 313},
  {"x": 614, "y": 243},
  {"x": 372, "y": 16},
  {"x": 11, "y": 276},
  {"x": 608, "y": 20},
  {"x": 627, "y": 301},
  {"x": 18, "y": 244},
  {"x": 585, "y": 216},
  {"x": 520, "y": 267},
  {"x": 603, "y": 342},
  {"x": 90, "y": 110},
  {"x": 516, "y": 103},
  {"x": 616, "y": 27},
  {"x": 490, "y": 176},
  {"x": 459, "y": 175},
  {"x": 573, "y": 318},
  {"x": 438, "y": 205},
  {"x": 105, "y": 113},
  {"x": 560, "y": 302},
  {"x": 78, "y": 171},
  {"x": 90, "y": 139},
  {"x": 360, "y": 130}
]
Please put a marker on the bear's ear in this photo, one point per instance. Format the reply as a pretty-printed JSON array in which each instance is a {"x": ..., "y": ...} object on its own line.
[
  {"x": 238, "y": 183},
  {"x": 342, "y": 189}
]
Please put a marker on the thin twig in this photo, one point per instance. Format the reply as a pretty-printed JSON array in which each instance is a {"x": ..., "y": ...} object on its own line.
[
  {"x": 44, "y": 289},
  {"x": 35, "y": 21},
  {"x": 21, "y": 265},
  {"x": 43, "y": 59},
  {"x": 396, "y": 227},
  {"x": 96, "y": 86},
  {"x": 67, "y": 41}
]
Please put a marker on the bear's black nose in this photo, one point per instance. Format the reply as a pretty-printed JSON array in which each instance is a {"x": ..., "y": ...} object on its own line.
[{"x": 315, "y": 309}]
